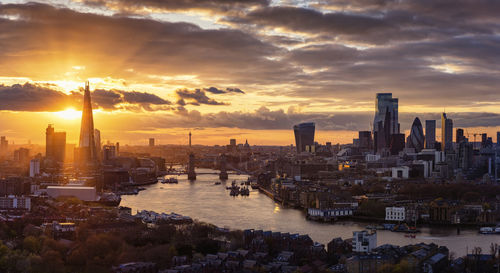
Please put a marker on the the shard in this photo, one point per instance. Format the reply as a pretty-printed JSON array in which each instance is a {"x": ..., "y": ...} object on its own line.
[{"x": 86, "y": 149}]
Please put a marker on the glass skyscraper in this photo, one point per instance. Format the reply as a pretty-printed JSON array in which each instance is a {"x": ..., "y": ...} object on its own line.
[
  {"x": 416, "y": 137},
  {"x": 430, "y": 134},
  {"x": 304, "y": 135},
  {"x": 384, "y": 102},
  {"x": 446, "y": 133},
  {"x": 86, "y": 148}
]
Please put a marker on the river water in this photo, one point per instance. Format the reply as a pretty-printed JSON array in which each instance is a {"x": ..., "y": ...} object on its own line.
[{"x": 207, "y": 202}]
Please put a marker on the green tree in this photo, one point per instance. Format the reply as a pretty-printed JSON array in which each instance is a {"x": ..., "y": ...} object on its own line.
[{"x": 32, "y": 244}]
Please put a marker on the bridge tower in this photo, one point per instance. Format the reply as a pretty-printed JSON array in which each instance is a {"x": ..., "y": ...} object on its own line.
[
  {"x": 223, "y": 172},
  {"x": 191, "y": 172}
]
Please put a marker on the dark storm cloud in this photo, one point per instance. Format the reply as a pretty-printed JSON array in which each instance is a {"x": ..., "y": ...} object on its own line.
[
  {"x": 215, "y": 90},
  {"x": 431, "y": 53},
  {"x": 307, "y": 20},
  {"x": 178, "y": 5},
  {"x": 196, "y": 97},
  {"x": 41, "y": 98},
  {"x": 30, "y": 97},
  {"x": 152, "y": 47},
  {"x": 266, "y": 119},
  {"x": 112, "y": 100}
]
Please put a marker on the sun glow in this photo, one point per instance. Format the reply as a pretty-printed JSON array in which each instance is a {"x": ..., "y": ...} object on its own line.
[{"x": 69, "y": 114}]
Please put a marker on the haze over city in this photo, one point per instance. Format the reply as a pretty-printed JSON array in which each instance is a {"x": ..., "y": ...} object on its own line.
[{"x": 244, "y": 69}]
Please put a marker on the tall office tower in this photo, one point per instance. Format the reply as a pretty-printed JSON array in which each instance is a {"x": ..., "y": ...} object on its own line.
[
  {"x": 397, "y": 143},
  {"x": 430, "y": 134},
  {"x": 86, "y": 149},
  {"x": 22, "y": 155},
  {"x": 384, "y": 102},
  {"x": 4, "y": 144},
  {"x": 55, "y": 144},
  {"x": 446, "y": 133},
  {"x": 304, "y": 135},
  {"x": 465, "y": 155},
  {"x": 117, "y": 148},
  {"x": 416, "y": 138},
  {"x": 97, "y": 139},
  {"x": 365, "y": 139},
  {"x": 108, "y": 152},
  {"x": 459, "y": 135},
  {"x": 151, "y": 142},
  {"x": 232, "y": 142},
  {"x": 34, "y": 167},
  {"x": 498, "y": 138},
  {"x": 484, "y": 140},
  {"x": 382, "y": 134}
]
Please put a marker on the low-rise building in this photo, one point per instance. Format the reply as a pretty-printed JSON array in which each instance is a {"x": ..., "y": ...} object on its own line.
[
  {"x": 364, "y": 241},
  {"x": 82, "y": 193},
  {"x": 395, "y": 214},
  {"x": 15, "y": 202},
  {"x": 402, "y": 172}
]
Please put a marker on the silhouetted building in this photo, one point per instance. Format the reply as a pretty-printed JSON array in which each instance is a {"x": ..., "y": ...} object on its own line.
[
  {"x": 416, "y": 138},
  {"x": 22, "y": 155},
  {"x": 86, "y": 152},
  {"x": 446, "y": 133},
  {"x": 486, "y": 141},
  {"x": 365, "y": 139},
  {"x": 384, "y": 102},
  {"x": 498, "y": 138},
  {"x": 304, "y": 135},
  {"x": 108, "y": 152},
  {"x": 55, "y": 144},
  {"x": 4, "y": 145},
  {"x": 397, "y": 143},
  {"x": 465, "y": 155},
  {"x": 151, "y": 142},
  {"x": 459, "y": 135},
  {"x": 382, "y": 134},
  {"x": 430, "y": 134}
]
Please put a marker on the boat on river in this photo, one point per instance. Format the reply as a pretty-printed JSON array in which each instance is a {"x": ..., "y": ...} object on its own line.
[
  {"x": 245, "y": 191},
  {"x": 171, "y": 180}
]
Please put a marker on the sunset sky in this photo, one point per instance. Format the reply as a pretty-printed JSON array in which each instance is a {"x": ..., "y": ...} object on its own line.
[{"x": 245, "y": 69}]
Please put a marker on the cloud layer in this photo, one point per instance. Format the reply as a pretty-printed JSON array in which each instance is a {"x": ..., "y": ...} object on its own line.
[
  {"x": 43, "y": 98},
  {"x": 327, "y": 58}
]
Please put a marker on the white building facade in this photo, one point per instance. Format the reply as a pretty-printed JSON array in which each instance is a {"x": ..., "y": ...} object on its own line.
[
  {"x": 395, "y": 214},
  {"x": 364, "y": 241}
]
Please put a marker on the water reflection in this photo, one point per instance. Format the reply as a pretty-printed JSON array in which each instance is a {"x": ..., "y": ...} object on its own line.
[{"x": 203, "y": 200}]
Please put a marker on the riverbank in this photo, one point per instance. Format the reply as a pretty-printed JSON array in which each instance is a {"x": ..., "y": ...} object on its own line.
[{"x": 207, "y": 202}]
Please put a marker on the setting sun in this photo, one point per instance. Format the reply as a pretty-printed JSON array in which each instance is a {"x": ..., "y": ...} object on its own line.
[{"x": 69, "y": 114}]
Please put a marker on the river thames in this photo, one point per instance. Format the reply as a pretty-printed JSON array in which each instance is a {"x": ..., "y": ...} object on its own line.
[{"x": 207, "y": 202}]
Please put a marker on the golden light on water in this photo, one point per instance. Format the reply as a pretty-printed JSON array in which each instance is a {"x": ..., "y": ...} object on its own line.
[{"x": 276, "y": 208}]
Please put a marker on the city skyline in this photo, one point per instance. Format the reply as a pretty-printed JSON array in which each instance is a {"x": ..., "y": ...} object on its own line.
[{"x": 250, "y": 83}]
